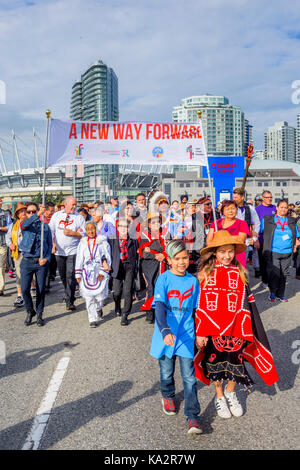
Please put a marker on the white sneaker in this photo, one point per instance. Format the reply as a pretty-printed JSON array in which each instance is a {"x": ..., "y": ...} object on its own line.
[
  {"x": 234, "y": 404},
  {"x": 265, "y": 286},
  {"x": 222, "y": 408}
]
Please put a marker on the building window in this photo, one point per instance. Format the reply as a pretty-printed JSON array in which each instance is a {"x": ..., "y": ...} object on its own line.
[
  {"x": 277, "y": 183},
  {"x": 188, "y": 185}
]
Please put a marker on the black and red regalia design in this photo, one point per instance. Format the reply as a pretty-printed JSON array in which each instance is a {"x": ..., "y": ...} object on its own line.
[
  {"x": 150, "y": 266},
  {"x": 228, "y": 315}
]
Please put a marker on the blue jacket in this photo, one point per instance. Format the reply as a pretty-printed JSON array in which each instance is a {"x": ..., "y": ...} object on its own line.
[{"x": 31, "y": 241}]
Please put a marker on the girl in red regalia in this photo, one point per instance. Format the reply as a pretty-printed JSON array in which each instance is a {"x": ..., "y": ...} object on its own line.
[
  {"x": 229, "y": 330},
  {"x": 153, "y": 257}
]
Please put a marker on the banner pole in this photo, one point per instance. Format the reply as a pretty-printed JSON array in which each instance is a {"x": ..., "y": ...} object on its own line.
[
  {"x": 48, "y": 115},
  {"x": 199, "y": 114}
]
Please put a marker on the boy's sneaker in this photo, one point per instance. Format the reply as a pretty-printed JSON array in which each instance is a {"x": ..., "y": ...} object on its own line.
[
  {"x": 193, "y": 427},
  {"x": 282, "y": 299},
  {"x": 93, "y": 324},
  {"x": 272, "y": 297},
  {"x": 19, "y": 302},
  {"x": 234, "y": 404},
  {"x": 222, "y": 408},
  {"x": 168, "y": 406}
]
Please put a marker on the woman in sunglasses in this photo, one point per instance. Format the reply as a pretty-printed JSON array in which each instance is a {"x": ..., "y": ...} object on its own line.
[{"x": 32, "y": 263}]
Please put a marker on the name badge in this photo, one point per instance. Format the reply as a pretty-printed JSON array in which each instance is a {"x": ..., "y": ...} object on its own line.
[{"x": 285, "y": 237}]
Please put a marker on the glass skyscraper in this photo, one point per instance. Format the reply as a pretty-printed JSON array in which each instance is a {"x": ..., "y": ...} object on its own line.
[
  {"x": 95, "y": 98},
  {"x": 223, "y": 124}
]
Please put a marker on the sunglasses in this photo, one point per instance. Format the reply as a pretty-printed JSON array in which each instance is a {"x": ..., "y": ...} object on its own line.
[{"x": 31, "y": 212}]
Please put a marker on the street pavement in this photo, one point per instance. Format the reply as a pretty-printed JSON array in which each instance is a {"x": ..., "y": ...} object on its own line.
[{"x": 108, "y": 396}]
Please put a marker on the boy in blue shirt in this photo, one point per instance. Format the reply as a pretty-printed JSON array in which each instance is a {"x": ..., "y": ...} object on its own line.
[{"x": 175, "y": 298}]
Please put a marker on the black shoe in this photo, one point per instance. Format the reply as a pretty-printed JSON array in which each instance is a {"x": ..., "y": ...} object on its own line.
[
  {"x": 257, "y": 273},
  {"x": 124, "y": 321},
  {"x": 118, "y": 313},
  {"x": 1, "y": 292},
  {"x": 100, "y": 314},
  {"x": 29, "y": 317},
  {"x": 40, "y": 321},
  {"x": 70, "y": 307}
]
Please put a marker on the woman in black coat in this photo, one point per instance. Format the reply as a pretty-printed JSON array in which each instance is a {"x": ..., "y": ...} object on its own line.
[{"x": 123, "y": 268}]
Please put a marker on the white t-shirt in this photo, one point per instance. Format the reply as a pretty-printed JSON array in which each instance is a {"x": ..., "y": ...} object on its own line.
[{"x": 59, "y": 221}]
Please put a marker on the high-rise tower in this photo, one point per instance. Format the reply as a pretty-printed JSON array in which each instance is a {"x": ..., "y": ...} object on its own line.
[{"x": 95, "y": 98}]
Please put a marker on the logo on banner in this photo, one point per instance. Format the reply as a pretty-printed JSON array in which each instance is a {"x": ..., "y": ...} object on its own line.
[
  {"x": 157, "y": 152},
  {"x": 190, "y": 152},
  {"x": 125, "y": 154},
  {"x": 78, "y": 150}
]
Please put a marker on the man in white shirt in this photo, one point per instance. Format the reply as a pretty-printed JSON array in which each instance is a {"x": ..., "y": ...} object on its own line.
[{"x": 67, "y": 227}]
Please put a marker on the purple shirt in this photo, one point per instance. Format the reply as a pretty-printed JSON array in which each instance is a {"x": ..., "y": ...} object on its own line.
[{"x": 261, "y": 212}]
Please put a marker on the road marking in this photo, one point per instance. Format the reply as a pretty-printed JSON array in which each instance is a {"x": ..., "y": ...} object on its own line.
[{"x": 43, "y": 414}]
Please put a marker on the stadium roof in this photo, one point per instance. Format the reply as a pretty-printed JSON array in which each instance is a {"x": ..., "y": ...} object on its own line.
[{"x": 274, "y": 165}]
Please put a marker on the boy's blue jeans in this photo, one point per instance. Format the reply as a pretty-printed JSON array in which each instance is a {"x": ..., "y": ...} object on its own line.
[{"x": 167, "y": 383}]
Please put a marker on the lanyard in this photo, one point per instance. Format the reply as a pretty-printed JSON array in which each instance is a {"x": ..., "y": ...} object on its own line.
[
  {"x": 206, "y": 222},
  {"x": 281, "y": 225},
  {"x": 92, "y": 256}
]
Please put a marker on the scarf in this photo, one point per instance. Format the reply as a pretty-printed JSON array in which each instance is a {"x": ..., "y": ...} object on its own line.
[
  {"x": 14, "y": 239},
  {"x": 123, "y": 248}
]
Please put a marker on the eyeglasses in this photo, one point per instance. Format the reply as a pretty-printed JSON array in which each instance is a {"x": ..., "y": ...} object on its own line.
[
  {"x": 31, "y": 212},
  {"x": 267, "y": 197}
]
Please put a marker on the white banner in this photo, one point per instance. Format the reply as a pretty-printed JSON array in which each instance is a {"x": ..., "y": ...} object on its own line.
[{"x": 142, "y": 143}]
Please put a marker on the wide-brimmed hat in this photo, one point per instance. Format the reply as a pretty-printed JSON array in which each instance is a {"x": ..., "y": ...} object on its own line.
[
  {"x": 20, "y": 206},
  {"x": 221, "y": 238},
  {"x": 153, "y": 215}
]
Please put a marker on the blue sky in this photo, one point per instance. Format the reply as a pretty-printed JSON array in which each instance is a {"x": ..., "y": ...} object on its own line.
[{"x": 161, "y": 51}]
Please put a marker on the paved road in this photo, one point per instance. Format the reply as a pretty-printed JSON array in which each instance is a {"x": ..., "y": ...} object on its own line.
[{"x": 107, "y": 394}]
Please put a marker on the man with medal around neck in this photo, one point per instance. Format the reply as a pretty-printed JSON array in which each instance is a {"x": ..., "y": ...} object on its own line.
[{"x": 67, "y": 227}]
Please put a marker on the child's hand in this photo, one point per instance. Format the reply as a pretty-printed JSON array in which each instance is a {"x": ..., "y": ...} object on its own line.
[
  {"x": 105, "y": 266},
  {"x": 147, "y": 249},
  {"x": 169, "y": 340},
  {"x": 78, "y": 279},
  {"x": 201, "y": 341},
  {"x": 100, "y": 277}
]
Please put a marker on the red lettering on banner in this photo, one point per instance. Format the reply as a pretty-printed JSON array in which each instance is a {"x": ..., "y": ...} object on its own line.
[
  {"x": 103, "y": 131},
  {"x": 128, "y": 133},
  {"x": 138, "y": 130},
  {"x": 176, "y": 131},
  {"x": 199, "y": 133},
  {"x": 193, "y": 132},
  {"x": 157, "y": 131},
  {"x": 85, "y": 131},
  {"x": 148, "y": 130},
  {"x": 118, "y": 131},
  {"x": 73, "y": 131},
  {"x": 165, "y": 131},
  {"x": 92, "y": 131},
  {"x": 185, "y": 133}
]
